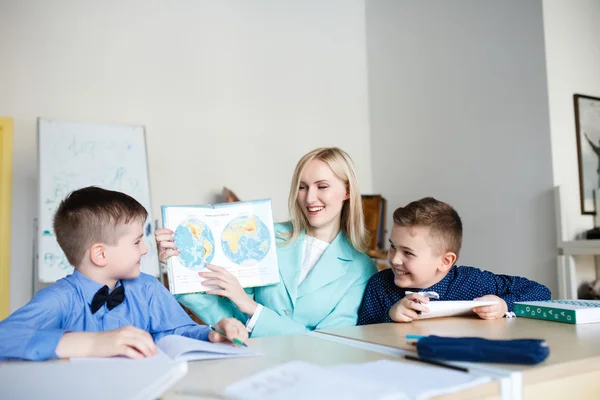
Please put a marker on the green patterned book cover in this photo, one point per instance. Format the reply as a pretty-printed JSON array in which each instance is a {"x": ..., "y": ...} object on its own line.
[{"x": 569, "y": 311}]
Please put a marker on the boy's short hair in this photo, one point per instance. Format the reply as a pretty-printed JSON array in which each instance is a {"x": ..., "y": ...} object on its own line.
[
  {"x": 442, "y": 220},
  {"x": 92, "y": 215}
]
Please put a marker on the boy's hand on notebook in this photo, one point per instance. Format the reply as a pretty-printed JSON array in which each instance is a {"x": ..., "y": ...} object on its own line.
[
  {"x": 232, "y": 328},
  {"x": 229, "y": 287},
  {"x": 493, "y": 311},
  {"x": 128, "y": 341},
  {"x": 409, "y": 308},
  {"x": 166, "y": 244}
]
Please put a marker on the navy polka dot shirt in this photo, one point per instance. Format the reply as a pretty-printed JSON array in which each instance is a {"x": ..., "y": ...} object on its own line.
[{"x": 461, "y": 283}]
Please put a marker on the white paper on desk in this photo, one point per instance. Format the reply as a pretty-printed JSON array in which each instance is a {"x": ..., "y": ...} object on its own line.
[
  {"x": 299, "y": 380},
  {"x": 453, "y": 308},
  {"x": 415, "y": 381}
]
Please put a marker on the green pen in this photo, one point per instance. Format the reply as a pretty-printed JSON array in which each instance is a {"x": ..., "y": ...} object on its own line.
[{"x": 234, "y": 341}]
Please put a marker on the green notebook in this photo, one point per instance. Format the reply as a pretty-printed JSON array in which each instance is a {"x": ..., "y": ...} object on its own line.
[{"x": 569, "y": 311}]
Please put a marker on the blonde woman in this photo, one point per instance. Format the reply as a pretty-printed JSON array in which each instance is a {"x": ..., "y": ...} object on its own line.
[{"x": 323, "y": 269}]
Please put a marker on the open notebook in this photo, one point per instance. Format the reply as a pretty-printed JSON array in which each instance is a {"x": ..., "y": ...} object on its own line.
[
  {"x": 179, "y": 348},
  {"x": 183, "y": 348}
]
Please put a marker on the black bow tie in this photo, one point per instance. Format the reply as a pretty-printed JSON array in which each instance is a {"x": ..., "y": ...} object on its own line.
[{"x": 111, "y": 299}]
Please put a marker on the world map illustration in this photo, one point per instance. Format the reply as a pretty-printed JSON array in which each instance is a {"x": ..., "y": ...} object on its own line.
[
  {"x": 196, "y": 243},
  {"x": 246, "y": 240}
]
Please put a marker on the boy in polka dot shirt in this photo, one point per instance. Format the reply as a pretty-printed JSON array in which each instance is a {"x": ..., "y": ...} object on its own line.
[{"x": 424, "y": 245}]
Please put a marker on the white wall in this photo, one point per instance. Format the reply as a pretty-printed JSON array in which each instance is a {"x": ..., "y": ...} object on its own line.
[
  {"x": 231, "y": 92},
  {"x": 459, "y": 111},
  {"x": 572, "y": 33},
  {"x": 240, "y": 90}
]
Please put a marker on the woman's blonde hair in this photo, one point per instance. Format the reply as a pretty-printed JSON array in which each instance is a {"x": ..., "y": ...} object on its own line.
[{"x": 352, "y": 219}]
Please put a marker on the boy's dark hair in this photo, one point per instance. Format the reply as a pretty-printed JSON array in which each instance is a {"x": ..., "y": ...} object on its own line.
[
  {"x": 442, "y": 220},
  {"x": 92, "y": 215}
]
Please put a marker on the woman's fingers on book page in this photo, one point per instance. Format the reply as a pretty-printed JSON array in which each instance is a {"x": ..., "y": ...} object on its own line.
[
  {"x": 212, "y": 275},
  {"x": 213, "y": 279},
  {"x": 215, "y": 283},
  {"x": 217, "y": 269},
  {"x": 218, "y": 274}
]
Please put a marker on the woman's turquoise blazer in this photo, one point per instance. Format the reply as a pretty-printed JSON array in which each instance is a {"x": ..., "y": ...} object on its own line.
[{"x": 329, "y": 296}]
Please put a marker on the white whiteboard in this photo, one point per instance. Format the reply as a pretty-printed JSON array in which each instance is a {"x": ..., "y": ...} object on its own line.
[{"x": 74, "y": 155}]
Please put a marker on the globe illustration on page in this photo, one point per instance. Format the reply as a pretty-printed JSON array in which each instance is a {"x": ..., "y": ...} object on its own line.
[
  {"x": 195, "y": 242},
  {"x": 246, "y": 240}
]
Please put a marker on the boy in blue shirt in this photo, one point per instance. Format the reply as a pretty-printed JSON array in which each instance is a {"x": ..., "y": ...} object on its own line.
[
  {"x": 424, "y": 245},
  {"x": 107, "y": 307}
]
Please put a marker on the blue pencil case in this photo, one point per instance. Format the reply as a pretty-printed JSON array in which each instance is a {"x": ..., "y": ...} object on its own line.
[{"x": 474, "y": 349}]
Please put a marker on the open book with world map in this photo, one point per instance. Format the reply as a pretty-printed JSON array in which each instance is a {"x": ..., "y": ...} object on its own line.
[{"x": 239, "y": 237}]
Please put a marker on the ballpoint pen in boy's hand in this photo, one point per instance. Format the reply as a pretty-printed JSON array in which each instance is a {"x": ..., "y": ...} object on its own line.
[{"x": 234, "y": 341}]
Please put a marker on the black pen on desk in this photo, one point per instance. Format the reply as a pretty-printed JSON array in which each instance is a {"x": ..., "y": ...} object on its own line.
[
  {"x": 438, "y": 363},
  {"x": 234, "y": 341}
]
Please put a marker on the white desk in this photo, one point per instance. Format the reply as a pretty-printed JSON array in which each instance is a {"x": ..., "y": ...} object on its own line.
[
  {"x": 572, "y": 371},
  {"x": 205, "y": 379}
]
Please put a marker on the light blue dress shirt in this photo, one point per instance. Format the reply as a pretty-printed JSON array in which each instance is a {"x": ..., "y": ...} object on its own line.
[{"x": 33, "y": 331}]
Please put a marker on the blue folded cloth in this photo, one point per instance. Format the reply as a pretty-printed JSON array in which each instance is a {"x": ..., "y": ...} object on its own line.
[{"x": 516, "y": 351}]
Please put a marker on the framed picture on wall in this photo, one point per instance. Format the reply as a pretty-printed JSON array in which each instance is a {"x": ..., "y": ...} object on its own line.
[{"x": 587, "y": 128}]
